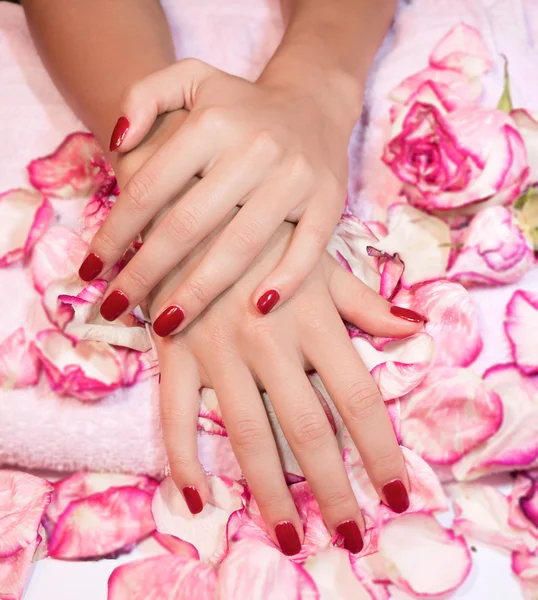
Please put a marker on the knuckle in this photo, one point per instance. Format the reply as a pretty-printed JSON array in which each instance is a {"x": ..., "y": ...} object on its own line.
[
  {"x": 300, "y": 167},
  {"x": 387, "y": 463},
  {"x": 180, "y": 462},
  {"x": 266, "y": 145},
  {"x": 361, "y": 401},
  {"x": 183, "y": 224},
  {"x": 317, "y": 236},
  {"x": 136, "y": 279},
  {"x": 336, "y": 498},
  {"x": 212, "y": 119},
  {"x": 309, "y": 430},
  {"x": 271, "y": 502},
  {"x": 131, "y": 94},
  {"x": 246, "y": 237},
  {"x": 248, "y": 435},
  {"x": 106, "y": 242},
  {"x": 259, "y": 332},
  {"x": 197, "y": 289},
  {"x": 138, "y": 191}
]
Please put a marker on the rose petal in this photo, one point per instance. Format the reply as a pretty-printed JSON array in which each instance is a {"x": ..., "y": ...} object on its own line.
[
  {"x": 163, "y": 578},
  {"x": 451, "y": 320},
  {"x": 482, "y": 513},
  {"x": 82, "y": 485},
  {"x": 421, "y": 557},
  {"x": 14, "y": 571},
  {"x": 102, "y": 523},
  {"x": 23, "y": 500},
  {"x": 257, "y": 571},
  {"x": 24, "y": 217},
  {"x": 527, "y": 124},
  {"x": 206, "y": 531},
  {"x": 335, "y": 579},
  {"x": 400, "y": 366},
  {"x": 525, "y": 566},
  {"x": 84, "y": 370},
  {"x": 19, "y": 366},
  {"x": 77, "y": 167},
  {"x": 391, "y": 267},
  {"x": 176, "y": 546},
  {"x": 462, "y": 49},
  {"x": 217, "y": 457},
  {"x": 210, "y": 417},
  {"x": 516, "y": 442},
  {"x": 96, "y": 210},
  {"x": 521, "y": 326},
  {"x": 57, "y": 255},
  {"x": 422, "y": 242},
  {"x": 470, "y": 411}
]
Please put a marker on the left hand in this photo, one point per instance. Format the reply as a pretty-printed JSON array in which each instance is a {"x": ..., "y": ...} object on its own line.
[{"x": 277, "y": 146}]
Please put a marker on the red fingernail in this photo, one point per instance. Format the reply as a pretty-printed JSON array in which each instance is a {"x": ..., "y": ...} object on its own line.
[
  {"x": 159, "y": 378},
  {"x": 114, "y": 305},
  {"x": 405, "y": 313},
  {"x": 119, "y": 133},
  {"x": 168, "y": 320},
  {"x": 352, "y": 536},
  {"x": 396, "y": 496},
  {"x": 288, "y": 538},
  {"x": 268, "y": 301},
  {"x": 193, "y": 500},
  {"x": 91, "y": 267}
]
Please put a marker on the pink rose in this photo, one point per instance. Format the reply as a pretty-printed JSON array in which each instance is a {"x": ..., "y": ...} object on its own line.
[{"x": 451, "y": 159}]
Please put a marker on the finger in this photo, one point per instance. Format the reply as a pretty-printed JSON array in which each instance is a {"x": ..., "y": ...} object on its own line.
[
  {"x": 359, "y": 402},
  {"x": 159, "y": 179},
  {"x": 313, "y": 443},
  {"x": 306, "y": 248},
  {"x": 230, "y": 255},
  {"x": 361, "y": 305},
  {"x": 203, "y": 207},
  {"x": 254, "y": 446},
  {"x": 179, "y": 408},
  {"x": 169, "y": 89}
]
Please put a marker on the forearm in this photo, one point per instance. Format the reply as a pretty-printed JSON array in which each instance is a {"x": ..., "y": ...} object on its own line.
[
  {"x": 94, "y": 49},
  {"x": 326, "y": 38}
]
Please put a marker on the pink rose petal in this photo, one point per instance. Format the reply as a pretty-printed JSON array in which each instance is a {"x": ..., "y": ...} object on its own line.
[
  {"x": 57, "y": 255},
  {"x": 24, "y": 217},
  {"x": 19, "y": 366},
  {"x": 257, "y": 571},
  {"x": 206, "y": 531},
  {"x": 451, "y": 320},
  {"x": 391, "y": 268},
  {"x": 421, "y": 241},
  {"x": 515, "y": 444},
  {"x": 521, "y": 326},
  {"x": 217, "y": 457},
  {"x": 463, "y": 50},
  {"x": 85, "y": 370},
  {"x": 210, "y": 417},
  {"x": 529, "y": 505},
  {"x": 527, "y": 124},
  {"x": 176, "y": 546},
  {"x": 77, "y": 167},
  {"x": 23, "y": 500},
  {"x": 95, "y": 211},
  {"x": 400, "y": 366},
  {"x": 525, "y": 566},
  {"x": 421, "y": 557},
  {"x": 470, "y": 413},
  {"x": 102, "y": 524},
  {"x": 14, "y": 571},
  {"x": 82, "y": 485},
  {"x": 163, "y": 578},
  {"x": 482, "y": 513}
]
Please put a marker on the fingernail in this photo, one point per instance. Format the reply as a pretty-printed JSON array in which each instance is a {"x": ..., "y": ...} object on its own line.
[
  {"x": 119, "y": 133},
  {"x": 91, "y": 267},
  {"x": 159, "y": 378},
  {"x": 405, "y": 313},
  {"x": 396, "y": 496},
  {"x": 268, "y": 301},
  {"x": 168, "y": 320},
  {"x": 114, "y": 305},
  {"x": 352, "y": 536},
  {"x": 193, "y": 499},
  {"x": 288, "y": 538}
]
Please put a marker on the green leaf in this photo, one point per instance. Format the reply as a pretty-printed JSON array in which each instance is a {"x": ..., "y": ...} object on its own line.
[{"x": 505, "y": 102}]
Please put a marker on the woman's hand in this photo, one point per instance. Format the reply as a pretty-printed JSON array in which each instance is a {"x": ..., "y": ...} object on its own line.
[
  {"x": 277, "y": 146},
  {"x": 235, "y": 350}
]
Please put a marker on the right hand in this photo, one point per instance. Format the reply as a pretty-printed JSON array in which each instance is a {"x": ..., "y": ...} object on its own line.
[{"x": 236, "y": 351}]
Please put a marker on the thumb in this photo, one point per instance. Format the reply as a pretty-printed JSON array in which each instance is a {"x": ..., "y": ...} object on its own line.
[
  {"x": 169, "y": 89},
  {"x": 360, "y": 305}
]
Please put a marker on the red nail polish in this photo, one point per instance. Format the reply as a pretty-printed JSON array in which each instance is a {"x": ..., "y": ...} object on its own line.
[
  {"x": 396, "y": 496},
  {"x": 168, "y": 320},
  {"x": 288, "y": 538},
  {"x": 159, "y": 379},
  {"x": 352, "y": 536},
  {"x": 119, "y": 133},
  {"x": 268, "y": 301},
  {"x": 91, "y": 267},
  {"x": 193, "y": 500},
  {"x": 114, "y": 305},
  {"x": 405, "y": 313}
]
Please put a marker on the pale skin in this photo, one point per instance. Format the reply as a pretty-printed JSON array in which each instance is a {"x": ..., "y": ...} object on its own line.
[{"x": 279, "y": 167}]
